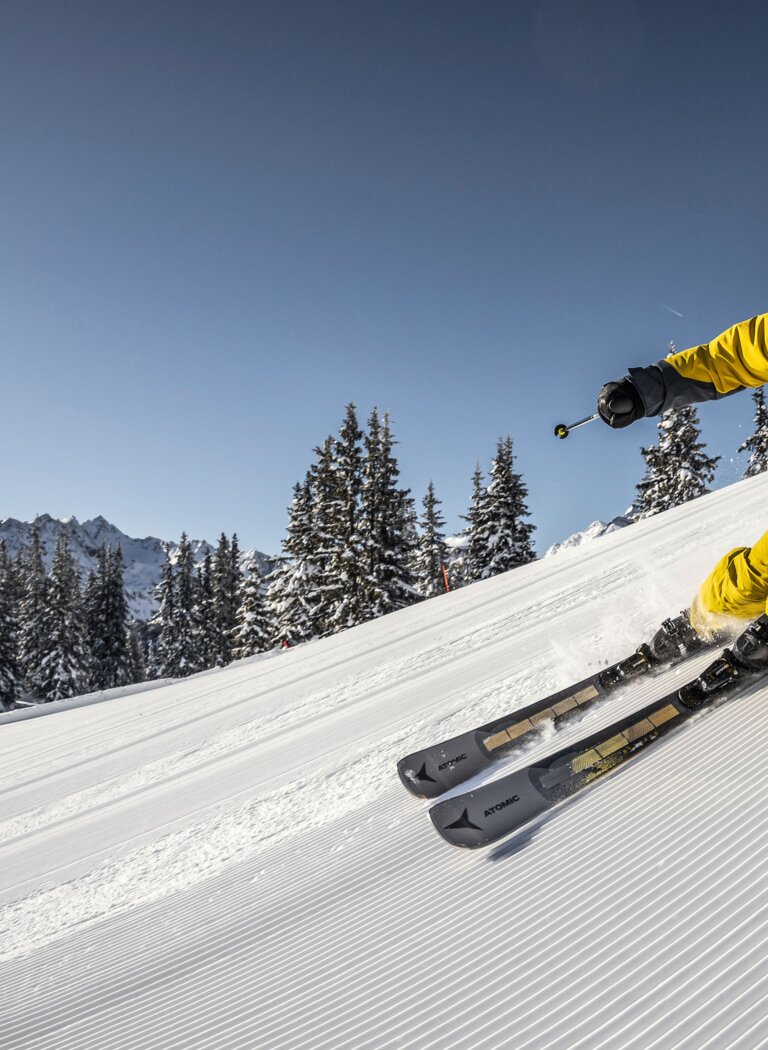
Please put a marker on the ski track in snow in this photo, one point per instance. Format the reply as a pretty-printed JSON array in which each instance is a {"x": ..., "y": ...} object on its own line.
[{"x": 230, "y": 861}]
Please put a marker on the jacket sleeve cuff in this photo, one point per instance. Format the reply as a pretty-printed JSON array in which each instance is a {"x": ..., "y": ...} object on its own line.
[
  {"x": 661, "y": 388},
  {"x": 649, "y": 383}
]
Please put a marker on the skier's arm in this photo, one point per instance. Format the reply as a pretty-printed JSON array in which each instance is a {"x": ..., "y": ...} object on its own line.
[{"x": 734, "y": 360}]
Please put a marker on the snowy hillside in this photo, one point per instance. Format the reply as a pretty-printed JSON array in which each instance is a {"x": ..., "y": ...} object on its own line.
[
  {"x": 230, "y": 861},
  {"x": 144, "y": 558}
]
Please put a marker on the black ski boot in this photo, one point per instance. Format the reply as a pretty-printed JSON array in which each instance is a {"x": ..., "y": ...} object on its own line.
[
  {"x": 675, "y": 639},
  {"x": 747, "y": 658},
  {"x": 750, "y": 649}
]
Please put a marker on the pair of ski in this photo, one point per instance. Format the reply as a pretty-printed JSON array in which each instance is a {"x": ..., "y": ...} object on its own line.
[{"x": 492, "y": 811}]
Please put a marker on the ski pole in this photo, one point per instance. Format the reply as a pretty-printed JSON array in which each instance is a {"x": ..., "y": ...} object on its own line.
[{"x": 562, "y": 430}]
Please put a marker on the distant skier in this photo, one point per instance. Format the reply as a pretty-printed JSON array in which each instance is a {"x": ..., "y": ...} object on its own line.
[{"x": 737, "y": 586}]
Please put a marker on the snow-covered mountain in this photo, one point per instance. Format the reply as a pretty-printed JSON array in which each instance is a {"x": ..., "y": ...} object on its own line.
[
  {"x": 595, "y": 531},
  {"x": 230, "y": 861},
  {"x": 143, "y": 558}
]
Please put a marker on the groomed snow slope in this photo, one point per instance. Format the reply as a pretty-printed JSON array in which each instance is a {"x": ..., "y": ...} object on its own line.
[{"x": 230, "y": 861}]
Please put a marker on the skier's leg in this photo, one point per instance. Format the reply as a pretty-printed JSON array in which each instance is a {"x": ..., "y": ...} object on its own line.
[{"x": 736, "y": 589}]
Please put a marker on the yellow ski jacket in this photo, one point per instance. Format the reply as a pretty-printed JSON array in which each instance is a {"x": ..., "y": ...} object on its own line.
[
  {"x": 737, "y": 587},
  {"x": 734, "y": 360}
]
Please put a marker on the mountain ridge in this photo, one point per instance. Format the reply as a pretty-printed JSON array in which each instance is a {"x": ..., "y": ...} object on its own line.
[{"x": 143, "y": 557}]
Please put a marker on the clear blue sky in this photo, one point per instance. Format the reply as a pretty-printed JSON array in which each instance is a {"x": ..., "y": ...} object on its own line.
[{"x": 223, "y": 221}]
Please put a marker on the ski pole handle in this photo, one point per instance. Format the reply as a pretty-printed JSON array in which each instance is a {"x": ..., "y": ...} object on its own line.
[{"x": 562, "y": 430}]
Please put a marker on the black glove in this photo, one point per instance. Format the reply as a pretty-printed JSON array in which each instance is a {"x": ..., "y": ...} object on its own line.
[{"x": 620, "y": 404}]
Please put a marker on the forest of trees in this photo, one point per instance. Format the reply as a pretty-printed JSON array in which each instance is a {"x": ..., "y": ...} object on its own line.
[{"x": 356, "y": 548}]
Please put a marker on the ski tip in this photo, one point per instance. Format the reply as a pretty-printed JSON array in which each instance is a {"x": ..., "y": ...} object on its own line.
[
  {"x": 453, "y": 823},
  {"x": 433, "y": 771},
  {"x": 415, "y": 779},
  {"x": 478, "y": 818}
]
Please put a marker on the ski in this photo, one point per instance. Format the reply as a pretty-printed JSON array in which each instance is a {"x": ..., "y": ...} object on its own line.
[
  {"x": 493, "y": 811},
  {"x": 434, "y": 770}
]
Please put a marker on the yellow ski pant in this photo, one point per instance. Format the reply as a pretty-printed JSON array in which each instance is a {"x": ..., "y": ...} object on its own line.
[{"x": 737, "y": 588}]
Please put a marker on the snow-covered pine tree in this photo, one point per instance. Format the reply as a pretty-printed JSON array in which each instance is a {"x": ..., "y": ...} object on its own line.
[
  {"x": 207, "y": 618},
  {"x": 498, "y": 537},
  {"x": 292, "y": 587},
  {"x": 226, "y": 580},
  {"x": 106, "y": 616},
  {"x": 9, "y": 664},
  {"x": 220, "y": 581},
  {"x": 65, "y": 668},
  {"x": 136, "y": 648},
  {"x": 372, "y": 507},
  {"x": 505, "y": 537},
  {"x": 32, "y": 611},
  {"x": 432, "y": 553},
  {"x": 237, "y": 574},
  {"x": 411, "y": 542},
  {"x": 757, "y": 443},
  {"x": 252, "y": 631},
  {"x": 162, "y": 655},
  {"x": 676, "y": 468},
  {"x": 235, "y": 583},
  {"x": 320, "y": 584},
  {"x": 345, "y": 572},
  {"x": 189, "y": 657},
  {"x": 468, "y": 565},
  {"x": 386, "y": 513}
]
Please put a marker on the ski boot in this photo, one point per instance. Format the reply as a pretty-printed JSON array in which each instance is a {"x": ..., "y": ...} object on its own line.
[
  {"x": 674, "y": 640},
  {"x": 747, "y": 658}
]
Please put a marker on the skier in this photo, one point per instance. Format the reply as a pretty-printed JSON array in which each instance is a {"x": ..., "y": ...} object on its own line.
[
  {"x": 737, "y": 587},
  {"x": 735, "y": 591}
]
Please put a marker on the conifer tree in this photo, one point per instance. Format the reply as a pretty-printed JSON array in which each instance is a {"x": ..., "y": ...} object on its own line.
[
  {"x": 348, "y": 554},
  {"x": 220, "y": 581},
  {"x": 106, "y": 614},
  {"x": 293, "y": 586},
  {"x": 498, "y": 536},
  {"x": 317, "y": 573},
  {"x": 385, "y": 515},
  {"x": 468, "y": 566},
  {"x": 757, "y": 443},
  {"x": 207, "y": 616},
  {"x": 32, "y": 612},
  {"x": 252, "y": 633},
  {"x": 505, "y": 537},
  {"x": 137, "y": 669},
  {"x": 226, "y": 578},
  {"x": 9, "y": 665},
  {"x": 64, "y": 670},
  {"x": 432, "y": 552},
  {"x": 164, "y": 661},
  {"x": 677, "y": 468},
  {"x": 235, "y": 584},
  {"x": 411, "y": 541},
  {"x": 188, "y": 658},
  {"x": 346, "y": 569}
]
